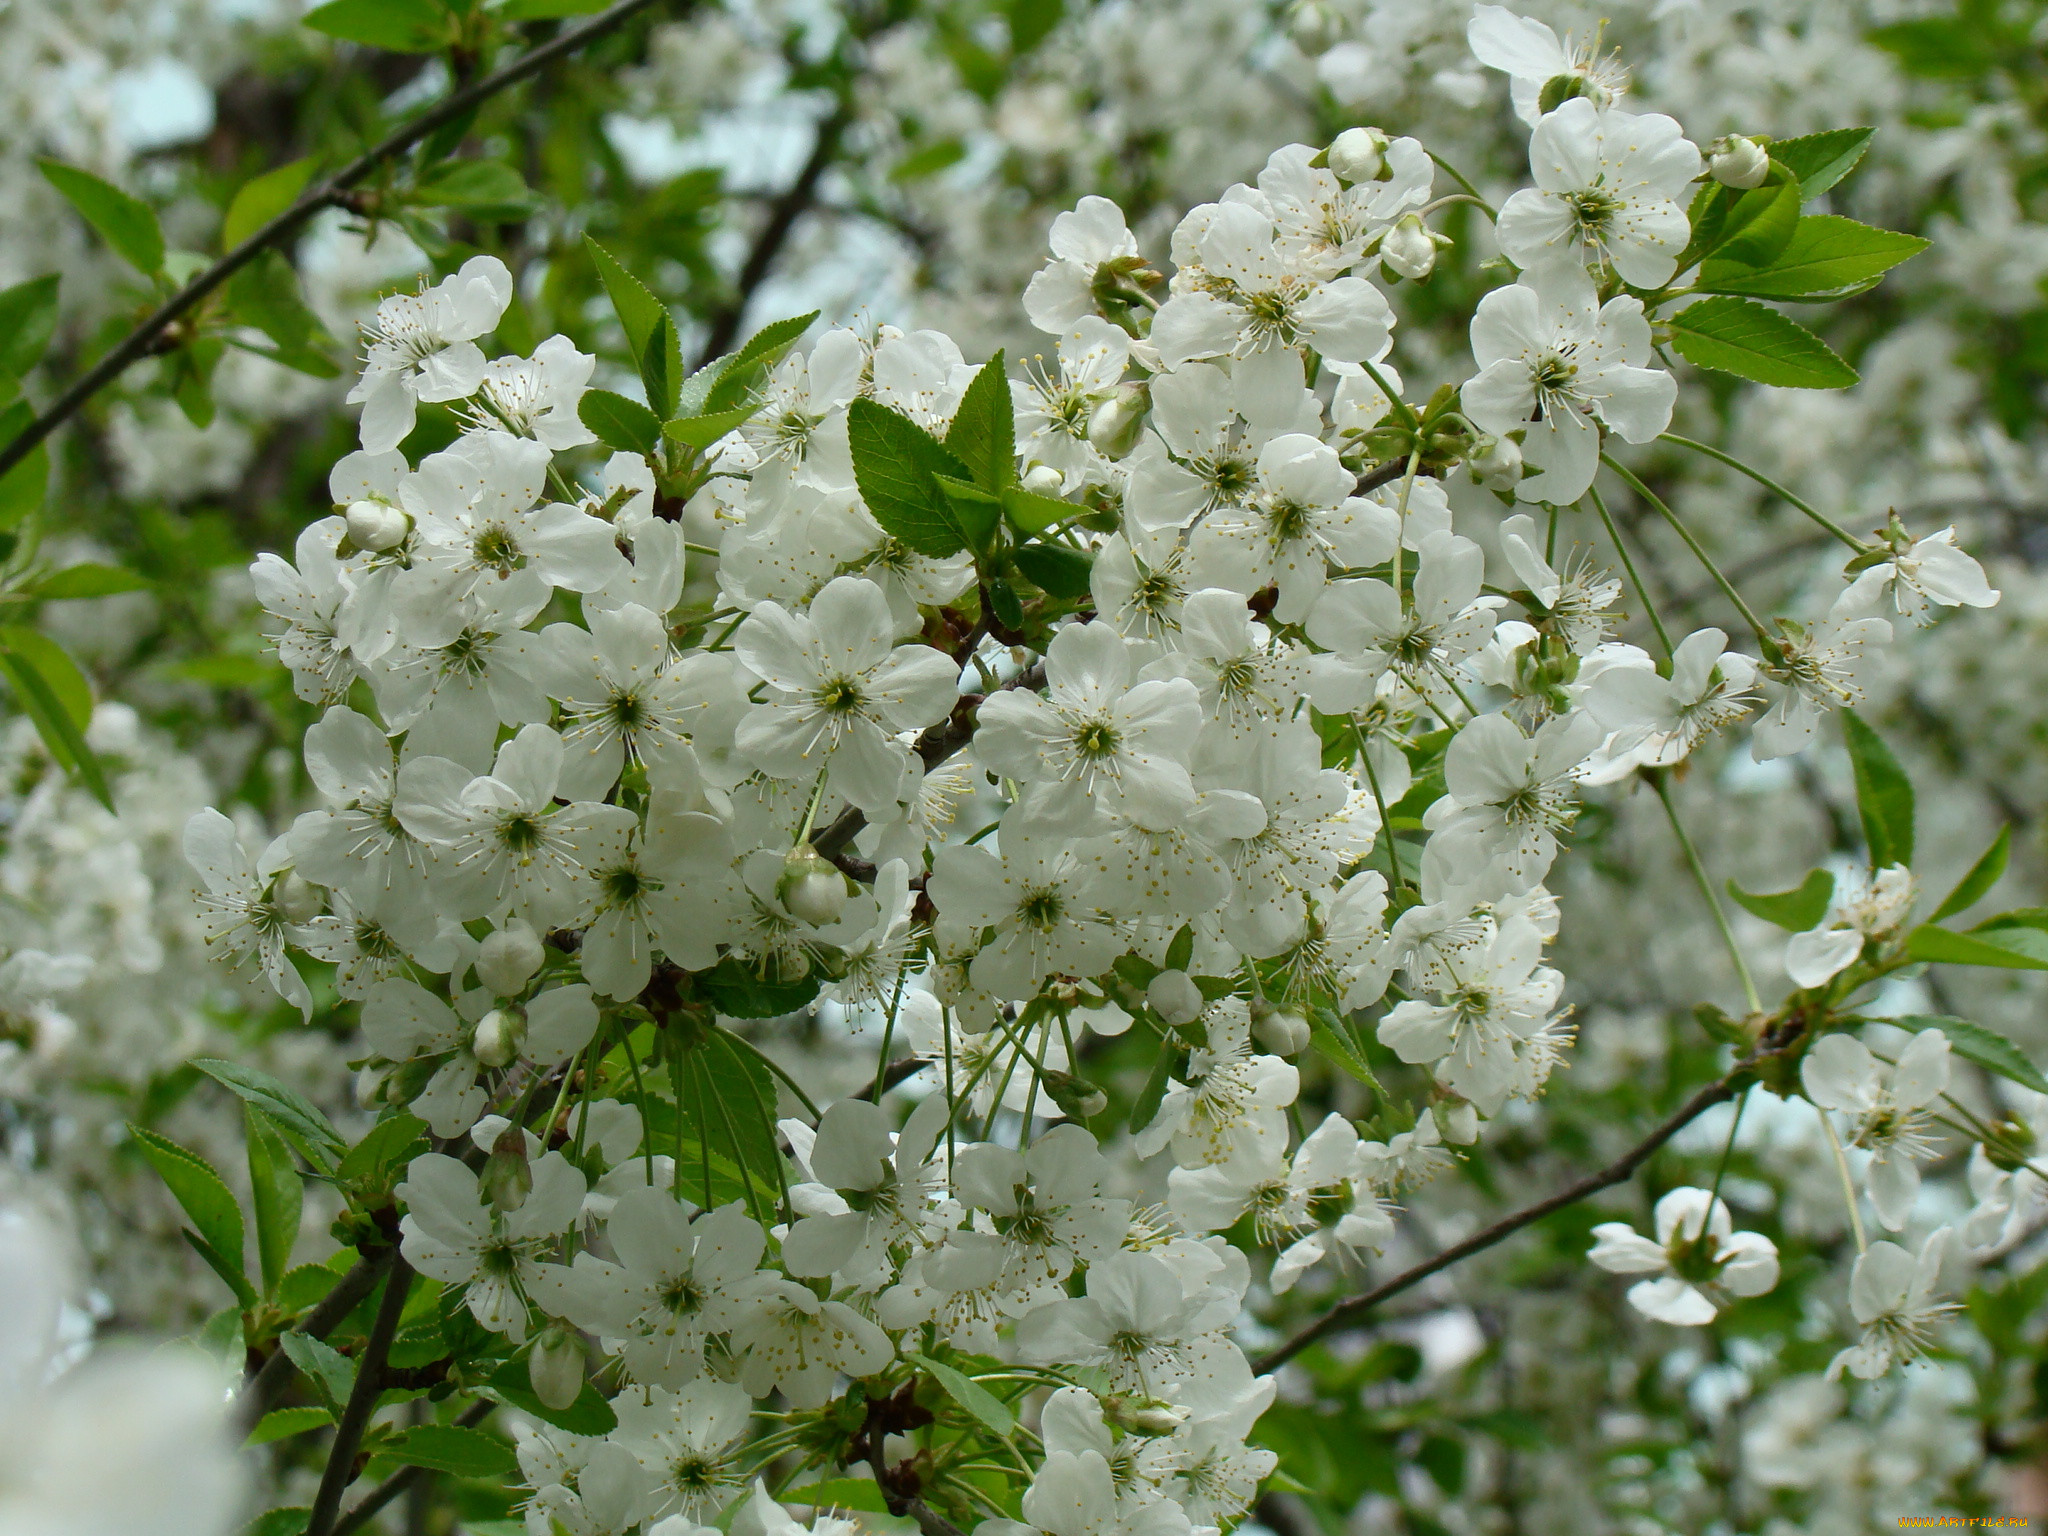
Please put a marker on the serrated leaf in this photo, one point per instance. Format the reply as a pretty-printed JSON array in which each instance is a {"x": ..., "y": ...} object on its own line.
[
  {"x": 276, "y": 1195},
  {"x": 229, "y": 1270},
  {"x": 126, "y": 223},
  {"x": 895, "y": 462},
  {"x": 978, "y": 512},
  {"x": 331, "y": 1373},
  {"x": 702, "y": 431},
  {"x": 1795, "y": 910},
  {"x": 1827, "y": 255},
  {"x": 1974, "y": 1042},
  {"x": 1030, "y": 512},
  {"x": 970, "y": 1394},
  {"x": 1982, "y": 876},
  {"x": 451, "y": 1448},
  {"x": 397, "y": 26},
  {"x": 80, "y": 581},
  {"x": 742, "y": 373},
  {"x": 1946, "y": 947},
  {"x": 263, "y": 198},
  {"x": 283, "y": 1423},
  {"x": 386, "y": 1146},
  {"x": 1819, "y": 160},
  {"x": 1336, "y": 1047},
  {"x": 1759, "y": 225},
  {"x": 661, "y": 367},
  {"x": 619, "y": 422},
  {"x": 53, "y": 693},
  {"x": 489, "y": 190},
  {"x": 295, "y": 1115},
  {"x": 639, "y": 311},
  {"x": 28, "y": 317},
  {"x": 1054, "y": 568},
  {"x": 859, "y": 1493},
  {"x": 739, "y": 994},
  {"x": 1884, "y": 795},
  {"x": 982, "y": 435},
  {"x": 303, "y": 1286},
  {"x": 1743, "y": 337},
  {"x": 590, "y": 1414},
  {"x": 199, "y": 1189}
]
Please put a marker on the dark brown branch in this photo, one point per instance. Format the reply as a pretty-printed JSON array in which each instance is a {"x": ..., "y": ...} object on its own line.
[
  {"x": 1345, "y": 1313},
  {"x": 1385, "y": 474},
  {"x": 362, "y": 1402},
  {"x": 930, "y": 1521},
  {"x": 268, "y": 1384},
  {"x": 146, "y": 338},
  {"x": 897, "y": 1071},
  {"x": 403, "y": 1479},
  {"x": 796, "y": 200}
]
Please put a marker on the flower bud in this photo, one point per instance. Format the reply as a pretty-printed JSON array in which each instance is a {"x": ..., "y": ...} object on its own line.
[
  {"x": 1559, "y": 89},
  {"x": 1459, "y": 1123},
  {"x": 556, "y": 1368},
  {"x": 1280, "y": 1030},
  {"x": 507, "y": 1178},
  {"x": 1043, "y": 480},
  {"x": 506, "y": 961},
  {"x": 1117, "y": 421},
  {"x": 812, "y": 888},
  {"x": 1358, "y": 154},
  {"x": 377, "y": 525},
  {"x": 296, "y": 901},
  {"x": 1143, "y": 1415},
  {"x": 1495, "y": 462},
  {"x": 499, "y": 1035},
  {"x": 1175, "y": 997},
  {"x": 1738, "y": 162},
  {"x": 1408, "y": 248},
  {"x": 1077, "y": 1098}
]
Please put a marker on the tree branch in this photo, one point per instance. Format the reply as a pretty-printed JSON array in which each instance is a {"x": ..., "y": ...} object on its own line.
[
  {"x": 268, "y": 1384},
  {"x": 362, "y": 1402},
  {"x": 404, "y": 1478},
  {"x": 329, "y": 193},
  {"x": 1347, "y": 1312}
]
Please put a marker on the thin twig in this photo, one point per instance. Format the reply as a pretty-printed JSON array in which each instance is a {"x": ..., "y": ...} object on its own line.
[
  {"x": 362, "y": 1402},
  {"x": 268, "y": 1384},
  {"x": 404, "y": 1478},
  {"x": 141, "y": 341}
]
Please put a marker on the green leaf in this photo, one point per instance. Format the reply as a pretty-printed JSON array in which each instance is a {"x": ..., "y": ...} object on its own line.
[
  {"x": 1031, "y": 21},
  {"x": 1820, "y": 160},
  {"x": 590, "y": 1414},
  {"x": 1828, "y": 256},
  {"x": 1030, "y": 512},
  {"x": 1054, "y": 568},
  {"x": 279, "y": 1522},
  {"x": 1944, "y": 947},
  {"x": 1884, "y": 795},
  {"x": 970, "y": 1394},
  {"x": 978, "y": 512},
  {"x": 1759, "y": 225},
  {"x": 263, "y": 198},
  {"x": 397, "y": 26},
  {"x": 489, "y": 190},
  {"x": 202, "y": 1192},
  {"x": 1004, "y": 604},
  {"x": 229, "y": 1270},
  {"x": 453, "y": 1449},
  {"x": 894, "y": 463},
  {"x": 1986, "y": 1047},
  {"x": 54, "y": 694},
  {"x": 283, "y": 1423},
  {"x": 861, "y": 1493},
  {"x": 703, "y": 431},
  {"x": 385, "y": 1147},
  {"x": 739, "y": 994},
  {"x": 1794, "y": 910},
  {"x": 23, "y": 487},
  {"x": 1742, "y": 337},
  {"x": 661, "y": 367},
  {"x": 2022, "y": 938},
  {"x": 928, "y": 161},
  {"x": 303, "y": 1286},
  {"x": 296, "y": 1116},
  {"x": 1146, "y": 1105},
  {"x": 276, "y": 1195},
  {"x": 1180, "y": 952},
  {"x": 265, "y": 294},
  {"x": 1335, "y": 1045},
  {"x": 738, "y": 377},
  {"x": 619, "y": 422},
  {"x": 126, "y": 223},
  {"x": 28, "y": 317},
  {"x": 1982, "y": 876},
  {"x": 638, "y": 310},
  {"x": 331, "y": 1373},
  {"x": 982, "y": 434},
  {"x": 548, "y": 10},
  {"x": 77, "y": 581}
]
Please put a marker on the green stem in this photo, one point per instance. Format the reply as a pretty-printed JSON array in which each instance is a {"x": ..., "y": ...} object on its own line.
[
  {"x": 1770, "y": 485},
  {"x": 1634, "y": 577},
  {"x": 888, "y": 1037},
  {"x": 1458, "y": 176},
  {"x": 1699, "y": 875},
  {"x": 773, "y": 1066},
  {"x": 1848, "y": 1184},
  {"x": 1727, "y": 1149},
  {"x": 1380, "y": 800},
  {"x": 1699, "y": 551}
]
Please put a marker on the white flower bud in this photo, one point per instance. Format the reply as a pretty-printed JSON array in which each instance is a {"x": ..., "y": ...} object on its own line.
[
  {"x": 377, "y": 525},
  {"x": 1175, "y": 997},
  {"x": 812, "y": 888},
  {"x": 556, "y": 1368},
  {"x": 506, "y": 961},
  {"x": 1114, "y": 427},
  {"x": 1143, "y": 1416},
  {"x": 1043, "y": 480},
  {"x": 1408, "y": 248},
  {"x": 1459, "y": 1123},
  {"x": 1280, "y": 1030},
  {"x": 499, "y": 1035},
  {"x": 507, "y": 1178},
  {"x": 1495, "y": 462},
  {"x": 1358, "y": 154},
  {"x": 1738, "y": 162},
  {"x": 296, "y": 901}
]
